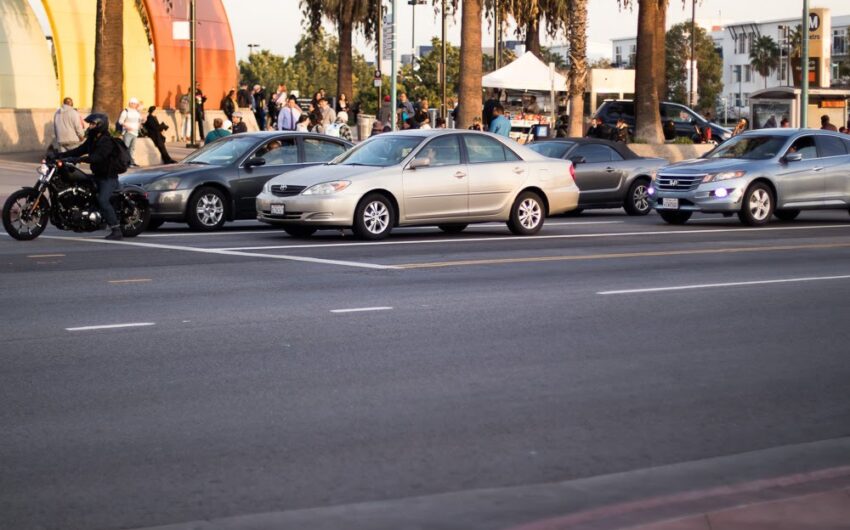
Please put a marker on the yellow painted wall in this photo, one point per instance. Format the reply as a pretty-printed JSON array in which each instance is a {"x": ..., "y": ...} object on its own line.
[
  {"x": 26, "y": 68},
  {"x": 73, "y": 26}
]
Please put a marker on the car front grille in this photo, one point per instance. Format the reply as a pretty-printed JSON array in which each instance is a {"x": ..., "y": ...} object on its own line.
[
  {"x": 678, "y": 182},
  {"x": 286, "y": 190}
]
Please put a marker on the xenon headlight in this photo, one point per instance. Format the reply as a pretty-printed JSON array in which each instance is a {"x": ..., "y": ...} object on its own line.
[{"x": 725, "y": 175}]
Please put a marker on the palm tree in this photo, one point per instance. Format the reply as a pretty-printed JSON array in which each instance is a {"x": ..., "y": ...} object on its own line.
[
  {"x": 764, "y": 56},
  {"x": 469, "y": 86},
  {"x": 346, "y": 15},
  {"x": 108, "y": 90},
  {"x": 578, "y": 64}
]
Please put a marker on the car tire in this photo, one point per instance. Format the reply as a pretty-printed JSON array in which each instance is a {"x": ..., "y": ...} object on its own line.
[
  {"x": 374, "y": 217},
  {"x": 299, "y": 232},
  {"x": 675, "y": 218},
  {"x": 207, "y": 210},
  {"x": 637, "y": 198},
  {"x": 453, "y": 228},
  {"x": 786, "y": 215},
  {"x": 757, "y": 205},
  {"x": 527, "y": 214},
  {"x": 155, "y": 224}
]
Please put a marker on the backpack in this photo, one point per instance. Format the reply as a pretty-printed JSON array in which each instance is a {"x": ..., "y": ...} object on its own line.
[
  {"x": 333, "y": 130},
  {"x": 120, "y": 162},
  {"x": 118, "y": 127}
]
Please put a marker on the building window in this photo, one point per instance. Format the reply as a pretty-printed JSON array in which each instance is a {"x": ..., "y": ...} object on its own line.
[
  {"x": 839, "y": 41},
  {"x": 748, "y": 74},
  {"x": 783, "y": 69},
  {"x": 632, "y": 55},
  {"x": 618, "y": 55},
  {"x": 738, "y": 101},
  {"x": 745, "y": 100},
  {"x": 736, "y": 73}
]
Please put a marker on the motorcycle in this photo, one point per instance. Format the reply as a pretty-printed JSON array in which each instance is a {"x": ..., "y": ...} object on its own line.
[{"x": 67, "y": 197}]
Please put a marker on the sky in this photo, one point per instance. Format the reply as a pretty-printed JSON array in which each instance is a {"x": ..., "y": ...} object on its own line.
[{"x": 605, "y": 22}]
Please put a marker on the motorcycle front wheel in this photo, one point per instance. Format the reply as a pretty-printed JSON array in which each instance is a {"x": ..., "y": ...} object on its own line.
[
  {"x": 20, "y": 219},
  {"x": 134, "y": 217}
]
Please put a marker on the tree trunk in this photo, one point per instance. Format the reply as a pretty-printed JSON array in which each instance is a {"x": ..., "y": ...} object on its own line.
[
  {"x": 660, "y": 51},
  {"x": 469, "y": 89},
  {"x": 647, "y": 116},
  {"x": 107, "y": 96},
  {"x": 532, "y": 36},
  {"x": 578, "y": 65},
  {"x": 344, "y": 73}
]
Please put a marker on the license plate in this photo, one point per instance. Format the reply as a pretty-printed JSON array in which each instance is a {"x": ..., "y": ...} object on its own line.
[
  {"x": 667, "y": 203},
  {"x": 278, "y": 209}
]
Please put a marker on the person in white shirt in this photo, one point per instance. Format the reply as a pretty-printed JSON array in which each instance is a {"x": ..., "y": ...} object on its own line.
[
  {"x": 130, "y": 122},
  {"x": 287, "y": 118}
]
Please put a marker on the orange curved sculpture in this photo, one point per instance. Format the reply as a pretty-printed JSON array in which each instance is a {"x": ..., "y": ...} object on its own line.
[{"x": 215, "y": 54}]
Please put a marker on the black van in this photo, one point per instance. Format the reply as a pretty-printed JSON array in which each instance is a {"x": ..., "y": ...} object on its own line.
[{"x": 683, "y": 118}]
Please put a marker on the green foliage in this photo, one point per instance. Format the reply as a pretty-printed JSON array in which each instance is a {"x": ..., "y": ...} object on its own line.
[
  {"x": 548, "y": 56},
  {"x": 602, "y": 62},
  {"x": 764, "y": 56},
  {"x": 683, "y": 140},
  {"x": 709, "y": 65},
  {"x": 424, "y": 81},
  {"x": 313, "y": 66}
]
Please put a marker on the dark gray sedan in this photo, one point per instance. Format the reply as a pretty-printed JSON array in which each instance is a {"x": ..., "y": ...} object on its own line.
[
  {"x": 220, "y": 181},
  {"x": 608, "y": 174}
]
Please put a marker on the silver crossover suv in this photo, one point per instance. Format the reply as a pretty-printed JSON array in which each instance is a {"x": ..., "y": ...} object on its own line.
[{"x": 758, "y": 174}]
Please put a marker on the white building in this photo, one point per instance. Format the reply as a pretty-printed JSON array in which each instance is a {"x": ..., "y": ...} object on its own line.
[{"x": 733, "y": 43}]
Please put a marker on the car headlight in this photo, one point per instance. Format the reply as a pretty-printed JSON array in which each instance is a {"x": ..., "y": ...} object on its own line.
[
  {"x": 725, "y": 175},
  {"x": 168, "y": 183},
  {"x": 326, "y": 188}
]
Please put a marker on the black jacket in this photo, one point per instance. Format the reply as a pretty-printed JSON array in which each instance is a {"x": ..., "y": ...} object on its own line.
[
  {"x": 154, "y": 128},
  {"x": 100, "y": 152},
  {"x": 240, "y": 127}
]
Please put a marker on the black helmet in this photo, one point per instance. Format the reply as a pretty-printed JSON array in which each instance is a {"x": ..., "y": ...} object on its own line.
[{"x": 101, "y": 123}]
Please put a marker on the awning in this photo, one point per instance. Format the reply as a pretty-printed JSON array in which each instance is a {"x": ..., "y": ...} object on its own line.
[{"x": 526, "y": 73}]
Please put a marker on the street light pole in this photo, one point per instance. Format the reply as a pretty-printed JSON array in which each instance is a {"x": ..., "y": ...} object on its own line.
[
  {"x": 251, "y": 48},
  {"x": 193, "y": 102},
  {"x": 394, "y": 78},
  {"x": 443, "y": 61},
  {"x": 693, "y": 52},
  {"x": 804, "y": 60}
]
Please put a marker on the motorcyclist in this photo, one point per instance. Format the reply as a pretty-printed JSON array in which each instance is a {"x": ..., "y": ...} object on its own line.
[{"x": 98, "y": 150}]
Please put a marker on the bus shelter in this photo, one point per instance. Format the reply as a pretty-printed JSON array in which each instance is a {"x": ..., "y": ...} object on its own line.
[{"x": 769, "y": 106}]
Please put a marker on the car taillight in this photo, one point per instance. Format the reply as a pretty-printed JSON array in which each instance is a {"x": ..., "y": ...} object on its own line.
[{"x": 572, "y": 171}]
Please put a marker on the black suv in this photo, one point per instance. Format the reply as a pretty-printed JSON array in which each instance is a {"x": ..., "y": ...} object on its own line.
[{"x": 683, "y": 118}]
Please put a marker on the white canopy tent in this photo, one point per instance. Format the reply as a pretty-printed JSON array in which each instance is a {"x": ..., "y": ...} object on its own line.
[{"x": 526, "y": 73}]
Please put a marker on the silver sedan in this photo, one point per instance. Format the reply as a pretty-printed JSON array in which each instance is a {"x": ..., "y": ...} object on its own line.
[{"x": 447, "y": 178}]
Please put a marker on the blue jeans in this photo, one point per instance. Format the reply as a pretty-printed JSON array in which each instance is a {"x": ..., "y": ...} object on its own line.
[
  {"x": 130, "y": 142},
  {"x": 105, "y": 189}
]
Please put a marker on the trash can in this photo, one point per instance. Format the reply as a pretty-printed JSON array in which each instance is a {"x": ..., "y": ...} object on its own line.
[
  {"x": 540, "y": 130},
  {"x": 364, "y": 126}
]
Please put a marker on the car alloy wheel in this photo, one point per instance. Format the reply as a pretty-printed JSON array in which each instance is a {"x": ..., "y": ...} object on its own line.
[
  {"x": 526, "y": 215},
  {"x": 374, "y": 217},
  {"x": 210, "y": 210},
  {"x": 757, "y": 207},
  {"x": 530, "y": 214},
  {"x": 637, "y": 201}
]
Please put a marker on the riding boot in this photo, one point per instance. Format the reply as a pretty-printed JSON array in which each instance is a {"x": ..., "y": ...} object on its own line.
[{"x": 115, "y": 234}]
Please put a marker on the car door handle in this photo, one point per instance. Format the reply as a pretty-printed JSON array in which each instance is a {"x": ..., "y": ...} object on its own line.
[
  {"x": 519, "y": 170},
  {"x": 609, "y": 170},
  {"x": 817, "y": 169},
  {"x": 460, "y": 175}
]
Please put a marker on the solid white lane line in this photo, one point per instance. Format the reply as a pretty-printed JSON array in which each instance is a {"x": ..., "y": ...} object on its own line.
[
  {"x": 38, "y": 256},
  {"x": 112, "y": 326},
  {"x": 536, "y": 238},
  {"x": 224, "y": 252},
  {"x": 361, "y": 309},
  {"x": 729, "y": 284},
  {"x": 223, "y": 233}
]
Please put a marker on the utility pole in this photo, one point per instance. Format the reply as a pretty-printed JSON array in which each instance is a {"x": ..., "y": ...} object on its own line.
[
  {"x": 193, "y": 102},
  {"x": 804, "y": 67},
  {"x": 394, "y": 77},
  {"x": 443, "y": 61},
  {"x": 693, "y": 52}
]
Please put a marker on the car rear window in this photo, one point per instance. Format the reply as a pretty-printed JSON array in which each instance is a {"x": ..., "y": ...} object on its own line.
[
  {"x": 551, "y": 149},
  {"x": 831, "y": 146}
]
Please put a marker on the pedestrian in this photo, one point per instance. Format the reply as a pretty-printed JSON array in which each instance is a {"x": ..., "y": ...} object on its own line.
[
  {"x": 411, "y": 123},
  {"x": 598, "y": 129},
  {"x": 533, "y": 107},
  {"x": 441, "y": 123},
  {"x": 228, "y": 104},
  {"x": 842, "y": 130},
  {"x": 562, "y": 127},
  {"x": 405, "y": 107},
  {"x": 377, "y": 128},
  {"x": 239, "y": 126},
  {"x": 68, "y": 131},
  {"x": 100, "y": 152},
  {"x": 200, "y": 114},
  {"x": 771, "y": 122},
  {"x": 303, "y": 124},
  {"x": 259, "y": 106},
  {"x": 185, "y": 121},
  {"x": 825, "y": 125},
  {"x": 425, "y": 123},
  {"x": 385, "y": 113},
  {"x": 288, "y": 116},
  {"x": 218, "y": 132},
  {"x": 422, "y": 112},
  {"x": 339, "y": 128},
  {"x": 742, "y": 126},
  {"x": 316, "y": 125},
  {"x": 154, "y": 129},
  {"x": 476, "y": 124},
  {"x": 317, "y": 96},
  {"x": 130, "y": 122},
  {"x": 489, "y": 105},
  {"x": 328, "y": 114},
  {"x": 499, "y": 124},
  {"x": 342, "y": 104},
  {"x": 276, "y": 102},
  {"x": 621, "y": 132},
  {"x": 669, "y": 129},
  {"x": 784, "y": 123},
  {"x": 243, "y": 96}
]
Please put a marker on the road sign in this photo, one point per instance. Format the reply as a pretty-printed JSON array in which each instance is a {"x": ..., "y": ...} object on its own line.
[{"x": 388, "y": 40}]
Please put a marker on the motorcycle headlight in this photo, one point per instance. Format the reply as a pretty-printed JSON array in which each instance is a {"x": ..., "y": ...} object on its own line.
[
  {"x": 166, "y": 184},
  {"x": 725, "y": 175},
  {"x": 43, "y": 169},
  {"x": 327, "y": 188}
]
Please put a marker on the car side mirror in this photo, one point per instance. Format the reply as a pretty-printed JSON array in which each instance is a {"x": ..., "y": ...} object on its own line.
[
  {"x": 255, "y": 161},
  {"x": 416, "y": 163},
  {"x": 576, "y": 160},
  {"x": 793, "y": 157}
]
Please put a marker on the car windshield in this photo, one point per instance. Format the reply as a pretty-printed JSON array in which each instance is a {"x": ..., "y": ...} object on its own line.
[
  {"x": 221, "y": 153},
  {"x": 381, "y": 151},
  {"x": 552, "y": 149},
  {"x": 762, "y": 147}
]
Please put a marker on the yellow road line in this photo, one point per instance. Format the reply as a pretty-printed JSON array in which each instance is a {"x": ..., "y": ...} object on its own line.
[
  {"x": 38, "y": 256},
  {"x": 136, "y": 280},
  {"x": 619, "y": 255}
]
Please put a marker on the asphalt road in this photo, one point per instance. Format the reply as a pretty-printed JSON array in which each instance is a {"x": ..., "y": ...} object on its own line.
[{"x": 260, "y": 374}]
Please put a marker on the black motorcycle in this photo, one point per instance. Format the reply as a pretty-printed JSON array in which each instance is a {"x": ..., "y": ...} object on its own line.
[{"x": 67, "y": 196}]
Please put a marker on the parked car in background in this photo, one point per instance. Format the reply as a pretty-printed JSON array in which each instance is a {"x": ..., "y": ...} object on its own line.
[
  {"x": 443, "y": 177},
  {"x": 683, "y": 118},
  {"x": 608, "y": 174},
  {"x": 758, "y": 174},
  {"x": 221, "y": 181}
]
